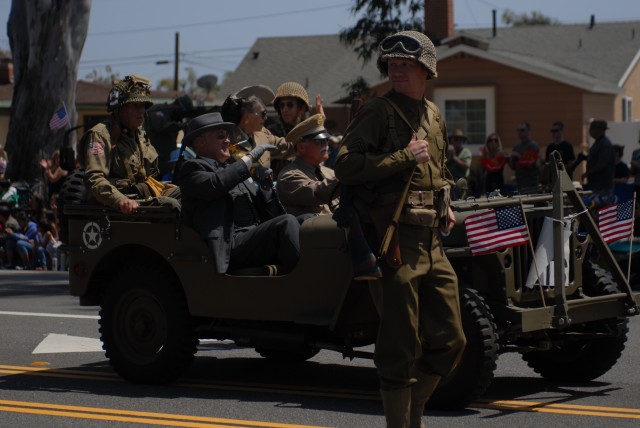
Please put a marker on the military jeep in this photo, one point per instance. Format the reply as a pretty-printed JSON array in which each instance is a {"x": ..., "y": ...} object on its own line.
[{"x": 159, "y": 293}]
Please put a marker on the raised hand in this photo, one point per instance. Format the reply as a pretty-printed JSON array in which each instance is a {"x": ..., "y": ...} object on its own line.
[{"x": 257, "y": 152}]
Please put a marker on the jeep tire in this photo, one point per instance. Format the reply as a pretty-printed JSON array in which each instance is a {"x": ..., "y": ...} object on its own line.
[{"x": 145, "y": 326}]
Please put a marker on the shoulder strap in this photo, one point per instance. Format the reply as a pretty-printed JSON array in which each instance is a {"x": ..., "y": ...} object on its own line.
[{"x": 422, "y": 132}]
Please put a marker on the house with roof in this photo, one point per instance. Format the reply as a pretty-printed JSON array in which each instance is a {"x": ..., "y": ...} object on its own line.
[{"x": 490, "y": 79}]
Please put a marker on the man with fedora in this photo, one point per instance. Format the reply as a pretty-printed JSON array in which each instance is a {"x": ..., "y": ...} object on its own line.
[
  {"x": 236, "y": 214},
  {"x": 305, "y": 186}
]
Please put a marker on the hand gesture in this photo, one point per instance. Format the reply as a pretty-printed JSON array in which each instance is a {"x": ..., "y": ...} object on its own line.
[
  {"x": 419, "y": 148},
  {"x": 319, "y": 108},
  {"x": 257, "y": 152}
]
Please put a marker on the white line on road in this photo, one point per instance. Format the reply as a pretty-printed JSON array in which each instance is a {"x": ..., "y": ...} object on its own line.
[{"x": 41, "y": 314}]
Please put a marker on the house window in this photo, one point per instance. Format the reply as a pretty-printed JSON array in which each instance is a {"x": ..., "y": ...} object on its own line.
[
  {"x": 470, "y": 109},
  {"x": 626, "y": 109}
]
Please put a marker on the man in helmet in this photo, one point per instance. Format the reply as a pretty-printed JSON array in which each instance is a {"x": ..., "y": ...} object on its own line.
[
  {"x": 394, "y": 152},
  {"x": 120, "y": 162}
]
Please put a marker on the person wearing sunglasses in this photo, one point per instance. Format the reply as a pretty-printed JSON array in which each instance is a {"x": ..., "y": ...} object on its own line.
[
  {"x": 396, "y": 141},
  {"x": 493, "y": 160},
  {"x": 559, "y": 144},
  {"x": 525, "y": 161},
  {"x": 249, "y": 114},
  {"x": 305, "y": 186}
]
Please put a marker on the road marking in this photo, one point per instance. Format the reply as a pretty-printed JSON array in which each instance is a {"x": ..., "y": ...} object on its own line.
[
  {"x": 42, "y": 314},
  {"x": 564, "y": 409},
  {"x": 62, "y": 343},
  {"x": 510, "y": 405},
  {"x": 132, "y": 416}
]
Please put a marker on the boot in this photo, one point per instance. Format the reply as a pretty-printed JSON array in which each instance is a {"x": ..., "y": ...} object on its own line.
[
  {"x": 396, "y": 404},
  {"x": 420, "y": 393}
]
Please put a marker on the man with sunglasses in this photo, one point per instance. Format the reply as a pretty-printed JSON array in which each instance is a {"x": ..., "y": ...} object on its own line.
[
  {"x": 234, "y": 212},
  {"x": 397, "y": 140},
  {"x": 306, "y": 187}
]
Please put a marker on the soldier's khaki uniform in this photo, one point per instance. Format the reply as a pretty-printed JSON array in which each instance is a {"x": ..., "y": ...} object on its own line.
[
  {"x": 418, "y": 303},
  {"x": 284, "y": 149},
  {"x": 302, "y": 191},
  {"x": 106, "y": 161}
]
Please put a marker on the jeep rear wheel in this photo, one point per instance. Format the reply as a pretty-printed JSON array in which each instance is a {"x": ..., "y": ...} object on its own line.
[
  {"x": 585, "y": 351},
  {"x": 474, "y": 373},
  {"x": 145, "y": 327}
]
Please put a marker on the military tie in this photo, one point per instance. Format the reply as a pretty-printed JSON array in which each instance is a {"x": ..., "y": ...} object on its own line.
[{"x": 319, "y": 174}]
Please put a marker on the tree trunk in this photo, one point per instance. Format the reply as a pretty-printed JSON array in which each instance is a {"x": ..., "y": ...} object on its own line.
[{"x": 46, "y": 39}]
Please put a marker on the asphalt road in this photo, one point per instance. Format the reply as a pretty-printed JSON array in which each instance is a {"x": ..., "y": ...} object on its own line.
[{"x": 53, "y": 373}]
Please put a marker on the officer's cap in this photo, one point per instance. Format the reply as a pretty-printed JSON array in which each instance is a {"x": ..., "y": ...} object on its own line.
[{"x": 310, "y": 128}]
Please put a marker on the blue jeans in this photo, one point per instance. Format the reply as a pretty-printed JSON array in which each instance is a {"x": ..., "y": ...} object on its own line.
[{"x": 27, "y": 248}]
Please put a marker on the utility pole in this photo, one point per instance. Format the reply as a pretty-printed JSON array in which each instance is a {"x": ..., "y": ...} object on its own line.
[{"x": 176, "y": 63}]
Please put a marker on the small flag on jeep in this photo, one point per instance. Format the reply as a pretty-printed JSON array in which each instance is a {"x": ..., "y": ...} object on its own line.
[
  {"x": 615, "y": 221},
  {"x": 496, "y": 229},
  {"x": 60, "y": 119}
]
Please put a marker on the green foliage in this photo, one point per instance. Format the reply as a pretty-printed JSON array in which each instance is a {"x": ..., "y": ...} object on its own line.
[
  {"x": 97, "y": 77},
  {"x": 509, "y": 17},
  {"x": 357, "y": 87},
  {"x": 380, "y": 18}
]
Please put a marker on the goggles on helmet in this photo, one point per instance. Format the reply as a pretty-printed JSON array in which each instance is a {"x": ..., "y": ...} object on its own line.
[{"x": 401, "y": 43}]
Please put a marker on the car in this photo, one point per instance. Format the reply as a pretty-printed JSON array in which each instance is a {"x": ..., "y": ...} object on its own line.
[{"x": 159, "y": 293}]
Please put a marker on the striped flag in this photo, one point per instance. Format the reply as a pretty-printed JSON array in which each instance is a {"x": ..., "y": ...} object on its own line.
[
  {"x": 496, "y": 229},
  {"x": 60, "y": 119},
  {"x": 615, "y": 221}
]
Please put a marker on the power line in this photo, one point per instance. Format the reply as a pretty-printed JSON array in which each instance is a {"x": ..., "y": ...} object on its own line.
[{"x": 222, "y": 21}]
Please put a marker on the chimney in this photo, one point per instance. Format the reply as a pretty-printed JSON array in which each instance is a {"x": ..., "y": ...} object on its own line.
[{"x": 438, "y": 19}]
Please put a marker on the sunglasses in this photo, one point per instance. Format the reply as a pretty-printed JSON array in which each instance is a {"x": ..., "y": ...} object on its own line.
[
  {"x": 288, "y": 104},
  {"x": 495, "y": 140},
  {"x": 521, "y": 129},
  {"x": 403, "y": 43},
  {"x": 554, "y": 130},
  {"x": 263, "y": 113}
]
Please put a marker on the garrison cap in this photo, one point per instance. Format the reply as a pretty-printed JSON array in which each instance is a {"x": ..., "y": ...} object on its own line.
[{"x": 312, "y": 127}]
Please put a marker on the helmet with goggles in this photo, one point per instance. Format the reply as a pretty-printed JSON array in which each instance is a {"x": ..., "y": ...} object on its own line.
[
  {"x": 131, "y": 89},
  {"x": 410, "y": 45}
]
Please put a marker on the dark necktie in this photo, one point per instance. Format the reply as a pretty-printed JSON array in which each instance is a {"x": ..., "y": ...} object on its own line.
[{"x": 319, "y": 174}]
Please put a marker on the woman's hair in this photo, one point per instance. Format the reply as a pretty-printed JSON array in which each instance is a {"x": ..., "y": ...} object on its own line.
[
  {"x": 497, "y": 137},
  {"x": 234, "y": 108}
]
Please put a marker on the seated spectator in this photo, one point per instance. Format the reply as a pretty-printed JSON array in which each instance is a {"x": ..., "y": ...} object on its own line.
[
  {"x": 48, "y": 237},
  {"x": 6, "y": 221},
  {"x": 54, "y": 175},
  {"x": 24, "y": 241},
  {"x": 243, "y": 225},
  {"x": 9, "y": 193},
  {"x": 121, "y": 163},
  {"x": 305, "y": 187}
]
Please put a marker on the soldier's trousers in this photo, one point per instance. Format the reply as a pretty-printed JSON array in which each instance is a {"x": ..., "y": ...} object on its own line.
[{"x": 419, "y": 308}]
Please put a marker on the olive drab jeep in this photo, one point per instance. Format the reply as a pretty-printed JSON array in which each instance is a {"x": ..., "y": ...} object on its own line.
[{"x": 159, "y": 293}]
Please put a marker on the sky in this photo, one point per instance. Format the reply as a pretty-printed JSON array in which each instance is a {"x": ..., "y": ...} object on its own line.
[{"x": 131, "y": 36}]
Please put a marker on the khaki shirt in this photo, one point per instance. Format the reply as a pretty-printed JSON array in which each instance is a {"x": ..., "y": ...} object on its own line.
[
  {"x": 284, "y": 148},
  {"x": 105, "y": 171},
  {"x": 302, "y": 192},
  {"x": 368, "y": 157}
]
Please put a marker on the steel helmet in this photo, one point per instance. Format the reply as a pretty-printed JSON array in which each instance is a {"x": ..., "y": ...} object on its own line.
[
  {"x": 291, "y": 89},
  {"x": 411, "y": 45},
  {"x": 131, "y": 89}
]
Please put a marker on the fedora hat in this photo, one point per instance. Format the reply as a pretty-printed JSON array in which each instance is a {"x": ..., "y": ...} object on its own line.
[{"x": 209, "y": 121}]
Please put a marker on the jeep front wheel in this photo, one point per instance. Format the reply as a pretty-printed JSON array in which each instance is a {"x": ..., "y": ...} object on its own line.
[
  {"x": 145, "y": 327},
  {"x": 474, "y": 372}
]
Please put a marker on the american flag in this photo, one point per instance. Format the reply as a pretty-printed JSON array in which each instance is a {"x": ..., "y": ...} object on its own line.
[
  {"x": 616, "y": 221},
  {"x": 60, "y": 119},
  {"x": 496, "y": 229}
]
